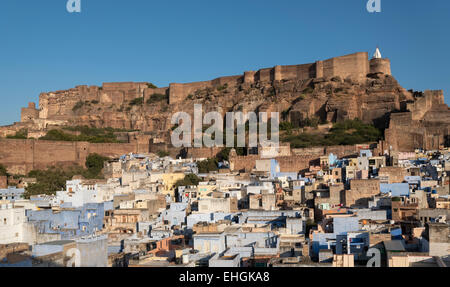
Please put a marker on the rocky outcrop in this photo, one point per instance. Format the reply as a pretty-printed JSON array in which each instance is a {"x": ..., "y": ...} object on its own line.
[{"x": 334, "y": 90}]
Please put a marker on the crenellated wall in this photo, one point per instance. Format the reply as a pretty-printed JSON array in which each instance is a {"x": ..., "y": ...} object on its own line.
[
  {"x": 380, "y": 66},
  {"x": 59, "y": 105},
  {"x": 425, "y": 125},
  {"x": 355, "y": 66},
  {"x": 39, "y": 154},
  {"x": 30, "y": 113}
]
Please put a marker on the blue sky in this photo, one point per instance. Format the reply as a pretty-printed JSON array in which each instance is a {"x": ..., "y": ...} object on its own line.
[{"x": 45, "y": 48}]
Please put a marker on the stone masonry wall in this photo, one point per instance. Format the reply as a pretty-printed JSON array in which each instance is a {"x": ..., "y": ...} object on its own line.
[{"x": 36, "y": 154}]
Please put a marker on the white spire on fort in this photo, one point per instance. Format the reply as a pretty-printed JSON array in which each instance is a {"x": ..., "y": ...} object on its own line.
[{"x": 377, "y": 54}]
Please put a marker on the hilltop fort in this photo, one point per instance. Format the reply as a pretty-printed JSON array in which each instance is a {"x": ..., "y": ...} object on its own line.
[{"x": 341, "y": 88}]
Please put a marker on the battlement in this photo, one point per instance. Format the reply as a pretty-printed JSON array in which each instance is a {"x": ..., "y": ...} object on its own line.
[
  {"x": 60, "y": 104},
  {"x": 380, "y": 66},
  {"x": 355, "y": 66},
  {"x": 431, "y": 99},
  {"x": 29, "y": 114}
]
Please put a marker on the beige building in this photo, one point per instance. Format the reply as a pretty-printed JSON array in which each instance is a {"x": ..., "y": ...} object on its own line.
[
  {"x": 169, "y": 181},
  {"x": 211, "y": 205}
]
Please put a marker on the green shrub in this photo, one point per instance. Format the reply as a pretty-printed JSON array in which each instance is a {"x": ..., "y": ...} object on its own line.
[
  {"x": 189, "y": 180},
  {"x": 78, "y": 106},
  {"x": 137, "y": 102},
  {"x": 208, "y": 165},
  {"x": 94, "y": 164},
  {"x": 286, "y": 126},
  {"x": 285, "y": 114},
  {"x": 223, "y": 87},
  {"x": 155, "y": 98},
  {"x": 151, "y": 86},
  {"x": 88, "y": 134},
  {"x": 223, "y": 154},
  {"x": 310, "y": 122},
  {"x": 162, "y": 153},
  {"x": 300, "y": 98},
  {"x": 3, "y": 170},
  {"x": 349, "y": 132},
  {"x": 22, "y": 134},
  {"x": 54, "y": 179}
]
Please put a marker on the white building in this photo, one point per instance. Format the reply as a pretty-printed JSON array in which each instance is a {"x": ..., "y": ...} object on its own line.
[
  {"x": 12, "y": 224},
  {"x": 78, "y": 193}
]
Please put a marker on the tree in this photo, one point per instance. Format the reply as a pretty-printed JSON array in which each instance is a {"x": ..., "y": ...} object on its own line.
[
  {"x": 188, "y": 180},
  {"x": 49, "y": 181},
  {"x": 22, "y": 134},
  {"x": 3, "y": 171},
  {"x": 162, "y": 153},
  {"x": 223, "y": 154},
  {"x": 208, "y": 165},
  {"x": 94, "y": 164}
]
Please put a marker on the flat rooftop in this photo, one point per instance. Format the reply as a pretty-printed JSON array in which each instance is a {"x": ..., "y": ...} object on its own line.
[{"x": 58, "y": 242}]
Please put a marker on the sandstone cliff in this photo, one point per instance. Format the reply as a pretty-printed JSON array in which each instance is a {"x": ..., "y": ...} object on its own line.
[{"x": 333, "y": 90}]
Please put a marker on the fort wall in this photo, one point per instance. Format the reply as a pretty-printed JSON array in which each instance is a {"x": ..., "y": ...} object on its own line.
[
  {"x": 425, "y": 125},
  {"x": 300, "y": 159},
  {"x": 59, "y": 105},
  {"x": 35, "y": 154},
  {"x": 380, "y": 66},
  {"x": 355, "y": 66},
  {"x": 30, "y": 113}
]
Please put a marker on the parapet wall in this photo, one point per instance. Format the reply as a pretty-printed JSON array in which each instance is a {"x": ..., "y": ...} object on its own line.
[
  {"x": 294, "y": 163},
  {"x": 425, "y": 125},
  {"x": 355, "y": 66},
  {"x": 430, "y": 99},
  {"x": 179, "y": 92},
  {"x": 59, "y": 105},
  {"x": 339, "y": 151},
  {"x": 380, "y": 66},
  {"x": 36, "y": 154},
  {"x": 30, "y": 113}
]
